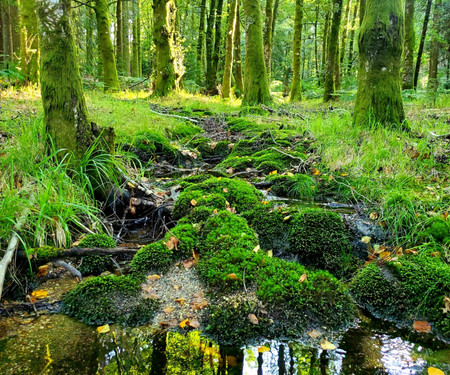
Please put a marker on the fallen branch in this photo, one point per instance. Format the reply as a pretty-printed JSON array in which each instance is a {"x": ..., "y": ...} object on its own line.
[
  {"x": 288, "y": 155},
  {"x": 71, "y": 269},
  {"x": 79, "y": 252},
  {"x": 175, "y": 116},
  {"x": 140, "y": 82}
]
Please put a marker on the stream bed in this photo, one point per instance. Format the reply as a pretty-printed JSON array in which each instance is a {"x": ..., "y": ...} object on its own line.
[{"x": 57, "y": 344}]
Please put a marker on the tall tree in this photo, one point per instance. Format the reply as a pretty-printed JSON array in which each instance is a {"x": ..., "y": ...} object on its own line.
[
  {"x": 201, "y": 42},
  {"x": 344, "y": 33},
  {"x": 422, "y": 42},
  {"x": 296, "y": 90},
  {"x": 29, "y": 43},
  {"x": 326, "y": 29},
  {"x": 433, "y": 82},
  {"x": 136, "y": 55},
  {"x": 11, "y": 34},
  {"x": 89, "y": 41},
  {"x": 380, "y": 50},
  {"x": 105, "y": 47},
  {"x": 256, "y": 88},
  {"x": 65, "y": 113},
  {"x": 410, "y": 40},
  {"x": 332, "y": 54},
  {"x": 352, "y": 38},
  {"x": 210, "y": 79},
  {"x": 212, "y": 83},
  {"x": 229, "y": 49},
  {"x": 126, "y": 37},
  {"x": 268, "y": 38},
  {"x": 239, "y": 80},
  {"x": 119, "y": 37},
  {"x": 167, "y": 75}
]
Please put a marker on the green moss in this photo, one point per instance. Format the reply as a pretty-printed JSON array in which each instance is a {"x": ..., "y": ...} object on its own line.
[
  {"x": 153, "y": 257},
  {"x": 193, "y": 180},
  {"x": 245, "y": 147},
  {"x": 187, "y": 236},
  {"x": 198, "y": 215},
  {"x": 409, "y": 289},
  {"x": 439, "y": 230},
  {"x": 156, "y": 146},
  {"x": 183, "y": 130},
  {"x": 319, "y": 239},
  {"x": 97, "y": 241},
  {"x": 225, "y": 230},
  {"x": 109, "y": 299},
  {"x": 297, "y": 186},
  {"x": 237, "y": 163},
  {"x": 203, "y": 145},
  {"x": 188, "y": 200},
  {"x": 45, "y": 252}
]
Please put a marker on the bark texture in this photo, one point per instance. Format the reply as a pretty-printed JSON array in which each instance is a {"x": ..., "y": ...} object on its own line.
[
  {"x": 433, "y": 82},
  {"x": 201, "y": 42},
  {"x": 229, "y": 50},
  {"x": 136, "y": 58},
  {"x": 238, "y": 78},
  {"x": 256, "y": 90},
  {"x": 296, "y": 90},
  {"x": 422, "y": 42},
  {"x": 379, "y": 99},
  {"x": 410, "y": 40},
  {"x": 212, "y": 83},
  {"x": 268, "y": 38},
  {"x": 210, "y": 44},
  {"x": 29, "y": 44}
]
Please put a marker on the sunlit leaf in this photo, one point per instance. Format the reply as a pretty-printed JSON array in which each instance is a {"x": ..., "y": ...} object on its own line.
[
  {"x": 253, "y": 319},
  {"x": 303, "y": 278},
  {"x": 193, "y": 323},
  {"x": 270, "y": 253},
  {"x": 39, "y": 294},
  {"x": 168, "y": 310},
  {"x": 193, "y": 202},
  {"x": 314, "y": 334},
  {"x": 104, "y": 329},
  {"x": 180, "y": 301},
  {"x": 435, "y": 371},
  {"x": 257, "y": 248},
  {"x": 263, "y": 349},
  {"x": 232, "y": 276},
  {"x": 42, "y": 270},
  {"x": 153, "y": 277},
  {"x": 184, "y": 323},
  {"x": 273, "y": 172},
  {"x": 366, "y": 239},
  {"x": 326, "y": 345}
]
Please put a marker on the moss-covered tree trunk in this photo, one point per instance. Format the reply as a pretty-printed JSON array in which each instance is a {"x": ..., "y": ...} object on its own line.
[
  {"x": 125, "y": 38},
  {"x": 166, "y": 77},
  {"x": 238, "y": 78},
  {"x": 362, "y": 11},
  {"x": 105, "y": 46},
  {"x": 268, "y": 38},
  {"x": 256, "y": 87},
  {"x": 2, "y": 47},
  {"x": 229, "y": 50},
  {"x": 209, "y": 77},
  {"x": 410, "y": 39},
  {"x": 29, "y": 44},
  {"x": 119, "y": 34},
  {"x": 296, "y": 90},
  {"x": 90, "y": 44},
  {"x": 326, "y": 34},
  {"x": 200, "y": 43},
  {"x": 345, "y": 29},
  {"x": 379, "y": 99},
  {"x": 11, "y": 34},
  {"x": 352, "y": 39},
  {"x": 332, "y": 53},
  {"x": 65, "y": 112},
  {"x": 422, "y": 42},
  {"x": 433, "y": 82},
  {"x": 211, "y": 80},
  {"x": 136, "y": 61}
]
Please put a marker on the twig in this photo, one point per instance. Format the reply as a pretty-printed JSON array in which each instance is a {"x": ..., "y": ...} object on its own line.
[
  {"x": 288, "y": 155},
  {"x": 137, "y": 84},
  {"x": 175, "y": 116},
  {"x": 71, "y": 269}
]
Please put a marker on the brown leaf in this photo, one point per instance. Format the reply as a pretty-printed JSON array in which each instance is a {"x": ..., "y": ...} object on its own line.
[
  {"x": 172, "y": 243},
  {"x": 232, "y": 276},
  {"x": 153, "y": 277},
  {"x": 189, "y": 263},
  {"x": 303, "y": 278},
  {"x": 193, "y": 202},
  {"x": 253, "y": 319},
  {"x": 194, "y": 323},
  {"x": 446, "y": 309},
  {"x": 314, "y": 334},
  {"x": 168, "y": 310},
  {"x": 198, "y": 305},
  {"x": 225, "y": 190},
  {"x": 422, "y": 326},
  {"x": 230, "y": 170},
  {"x": 180, "y": 301},
  {"x": 42, "y": 270}
]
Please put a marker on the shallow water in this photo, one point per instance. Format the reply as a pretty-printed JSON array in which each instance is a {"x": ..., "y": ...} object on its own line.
[{"x": 56, "y": 344}]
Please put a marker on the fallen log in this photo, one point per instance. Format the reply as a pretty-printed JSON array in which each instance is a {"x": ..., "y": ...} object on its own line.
[{"x": 79, "y": 252}]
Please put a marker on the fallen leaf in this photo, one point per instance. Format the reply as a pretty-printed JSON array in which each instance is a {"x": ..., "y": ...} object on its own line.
[
  {"x": 199, "y": 305},
  {"x": 172, "y": 243},
  {"x": 422, "y": 326},
  {"x": 314, "y": 334},
  {"x": 168, "y": 310},
  {"x": 253, "y": 319},
  {"x": 263, "y": 349},
  {"x": 230, "y": 170},
  {"x": 153, "y": 277},
  {"x": 170, "y": 323},
  {"x": 180, "y": 301},
  {"x": 435, "y": 371},
  {"x": 232, "y": 276},
  {"x": 39, "y": 294},
  {"x": 399, "y": 251},
  {"x": 344, "y": 174},
  {"x": 385, "y": 254},
  {"x": 193, "y": 323},
  {"x": 315, "y": 172},
  {"x": 366, "y": 239},
  {"x": 256, "y": 249},
  {"x": 189, "y": 263},
  {"x": 326, "y": 345},
  {"x": 303, "y": 278},
  {"x": 225, "y": 190},
  {"x": 270, "y": 253},
  {"x": 103, "y": 329},
  {"x": 273, "y": 172},
  {"x": 287, "y": 218},
  {"x": 411, "y": 251},
  {"x": 436, "y": 254},
  {"x": 373, "y": 216},
  {"x": 42, "y": 270},
  {"x": 184, "y": 323},
  {"x": 265, "y": 202},
  {"x": 446, "y": 309},
  {"x": 193, "y": 202}
]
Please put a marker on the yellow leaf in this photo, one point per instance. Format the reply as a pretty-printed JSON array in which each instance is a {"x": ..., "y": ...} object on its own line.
[
  {"x": 326, "y": 345},
  {"x": 225, "y": 190},
  {"x": 344, "y": 174},
  {"x": 257, "y": 248},
  {"x": 184, "y": 323},
  {"x": 373, "y": 216},
  {"x": 168, "y": 310},
  {"x": 435, "y": 371},
  {"x": 270, "y": 253},
  {"x": 42, "y": 270},
  {"x": 366, "y": 239},
  {"x": 39, "y": 294},
  {"x": 446, "y": 308},
  {"x": 287, "y": 218},
  {"x": 103, "y": 329},
  {"x": 316, "y": 172},
  {"x": 172, "y": 243},
  {"x": 385, "y": 254},
  {"x": 193, "y": 202},
  {"x": 303, "y": 278},
  {"x": 153, "y": 277},
  {"x": 265, "y": 202},
  {"x": 273, "y": 172},
  {"x": 180, "y": 301},
  {"x": 263, "y": 349},
  {"x": 314, "y": 334},
  {"x": 232, "y": 276},
  {"x": 253, "y": 319}
]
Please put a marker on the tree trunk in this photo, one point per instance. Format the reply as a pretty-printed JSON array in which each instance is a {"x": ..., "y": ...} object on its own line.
[
  {"x": 65, "y": 113},
  {"x": 379, "y": 99},
  {"x": 410, "y": 36},
  {"x": 90, "y": 41},
  {"x": 296, "y": 90},
  {"x": 29, "y": 46},
  {"x": 256, "y": 89},
  {"x": 422, "y": 42},
  {"x": 227, "y": 75},
  {"x": 165, "y": 15},
  {"x": 210, "y": 80},
  {"x": 316, "y": 44},
  {"x": 433, "y": 82},
  {"x": 110, "y": 77},
  {"x": 125, "y": 38},
  {"x": 326, "y": 28},
  {"x": 200, "y": 43},
  {"x": 159, "y": 346},
  {"x": 332, "y": 55},
  {"x": 136, "y": 61},
  {"x": 344, "y": 34},
  {"x": 239, "y": 80},
  {"x": 217, "y": 44},
  {"x": 352, "y": 39},
  {"x": 15, "y": 30},
  {"x": 119, "y": 35},
  {"x": 362, "y": 11},
  {"x": 2, "y": 31},
  {"x": 268, "y": 38}
]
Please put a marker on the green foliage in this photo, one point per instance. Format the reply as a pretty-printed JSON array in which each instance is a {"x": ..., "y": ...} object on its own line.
[
  {"x": 187, "y": 236},
  {"x": 408, "y": 289},
  {"x": 188, "y": 200},
  {"x": 439, "y": 230},
  {"x": 156, "y": 146},
  {"x": 94, "y": 264},
  {"x": 109, "y": 299},
  {"x": 298, "y": 186},
  {"x": 97, "y": 241},
  {"x": 153, "y": 257}
]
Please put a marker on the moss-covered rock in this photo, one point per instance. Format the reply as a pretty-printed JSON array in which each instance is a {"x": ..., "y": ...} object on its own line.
[
  {"x": 190, "y": 199},
  {"x": 96, "y": 264},
  {"x": 186, "y": 237},
  {"x": 406, "y": 290},
  {"x": 297, "y": 186},
  {"x": 153, "y": 257},
  {"x": 439, "y": 230},
  {"x": 109, "y": 299},
  {"x": 97, "y": 241},
  {"x": 153, "y": 145}
]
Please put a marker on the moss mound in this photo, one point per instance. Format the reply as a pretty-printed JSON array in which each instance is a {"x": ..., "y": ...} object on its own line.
[
  {"x": 153, "y": 257},
  {"x": 297, "y": 186},
  {"x": 96, "y": 264},
  {"x": 186, "y": 237},
  {"x": 409, "y": 289},
  {"x": 109, "y": 299},
  {"x": 190, "y": 199},
  {"x": 45, "y": 252},
  {"x": 97, "y": 240},
  {"x": 153, "y": 145}
]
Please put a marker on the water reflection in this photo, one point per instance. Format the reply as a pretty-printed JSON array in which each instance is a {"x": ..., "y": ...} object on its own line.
[{"x": 77, "y": 349}]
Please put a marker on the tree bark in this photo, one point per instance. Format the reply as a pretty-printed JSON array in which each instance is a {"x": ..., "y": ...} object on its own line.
[
  {"x": 119, "y": 35},
  {"x": 433, "y": 82},
  {"x": 344, "y": 34},
  {"x": 362, "y": 11},
  {"x": 410, "y": 39},
  {"x": 200, "y": 43},
  {"x": 296, "y": 90},
  {"x": 422, "y": 42},
  {"x": 352, "y": 39},
  {"x": 65, "y": 112},
  {"x": 2, "y": 47},
  {"x": 90, "y": 41},
  {"x": 136, "y": 61},
  {"x": 167, "y": 78},
  {"x": 29, "y": 46},
  {"x": 105, "y": 47},
  {"x": 210, "y": 80},
  {"x": 238, "y": 78},
  {"x": 125, "y": 38},
  {"x": 268, "y": 38},
  {"x": 212, "y": 87},
  {"x": 332, "y": 55},
  {"x": 326, "y": 28},
  {"x": 256, "y": 90},
  {"x": 227, "y": 75},
  {"x": 379, "y": 99}
]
